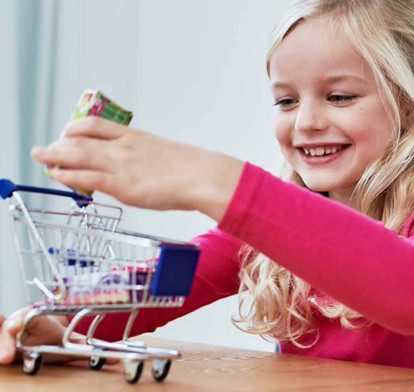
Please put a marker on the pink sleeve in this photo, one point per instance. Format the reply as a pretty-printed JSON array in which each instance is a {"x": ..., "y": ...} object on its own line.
[
  {"x": 337, "y": 250},
  {"x": 216, "y": 277}
]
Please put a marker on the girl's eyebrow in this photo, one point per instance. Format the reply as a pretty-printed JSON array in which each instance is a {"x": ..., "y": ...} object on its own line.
[
  {"x": 276, "y": 85},
  {"x": 340, "y": 78},
  {"x": 329, "y": 79}
]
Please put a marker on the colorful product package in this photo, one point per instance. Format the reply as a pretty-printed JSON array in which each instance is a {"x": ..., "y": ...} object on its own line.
[
  {"x": 94, "y": 103},
  {"x": 115, "y": 286},
  {"x": 90, "y": 280}
]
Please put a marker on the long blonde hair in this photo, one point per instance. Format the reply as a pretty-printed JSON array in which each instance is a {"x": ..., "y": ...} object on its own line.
[{"x": 272, "y": 301}]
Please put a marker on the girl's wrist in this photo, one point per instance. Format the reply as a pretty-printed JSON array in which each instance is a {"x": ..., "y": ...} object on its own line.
[{"x": 217, "y": 181}]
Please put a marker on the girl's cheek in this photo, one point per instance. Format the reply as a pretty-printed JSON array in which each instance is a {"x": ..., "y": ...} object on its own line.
[{"x": 282, "y": 132}]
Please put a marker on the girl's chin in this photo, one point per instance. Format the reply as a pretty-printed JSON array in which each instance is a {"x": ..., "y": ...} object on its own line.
[
  {"x": 325, "y": 188},
  {"x": 318, "y": 186},
  {"x": 333, "y": 189}
]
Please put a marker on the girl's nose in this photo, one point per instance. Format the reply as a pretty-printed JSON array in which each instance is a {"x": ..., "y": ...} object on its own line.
[{"x": 310, "y": 117}]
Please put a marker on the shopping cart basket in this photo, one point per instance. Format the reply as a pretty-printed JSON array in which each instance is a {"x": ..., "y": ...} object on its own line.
[{"x": 78, "y": 263}]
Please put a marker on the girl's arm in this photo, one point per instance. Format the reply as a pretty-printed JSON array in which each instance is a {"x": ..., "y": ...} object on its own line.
[{"x": 336, "y": 249}]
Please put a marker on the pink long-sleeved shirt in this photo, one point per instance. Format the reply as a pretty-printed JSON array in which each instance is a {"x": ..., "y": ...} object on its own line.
[{"x": 340, "y": 252}]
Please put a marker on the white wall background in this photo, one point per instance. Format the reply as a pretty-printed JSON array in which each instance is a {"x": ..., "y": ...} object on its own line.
[
  {"x": 191, "y": 70},
  {"x": 10, "y": 298}
]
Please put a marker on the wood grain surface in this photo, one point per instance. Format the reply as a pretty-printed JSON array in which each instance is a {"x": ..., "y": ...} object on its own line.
[{"x": 215, "y": 368}]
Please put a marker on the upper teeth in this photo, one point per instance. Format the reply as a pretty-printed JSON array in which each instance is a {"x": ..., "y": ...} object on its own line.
[{"x": 319, "y": 151}]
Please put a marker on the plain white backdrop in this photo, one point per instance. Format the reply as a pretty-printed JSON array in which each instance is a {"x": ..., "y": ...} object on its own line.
[{"x": 190, "y": 70}]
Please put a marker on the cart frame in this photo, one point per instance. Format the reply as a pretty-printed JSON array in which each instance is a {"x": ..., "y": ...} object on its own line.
[{"x": 82, "y": 264}]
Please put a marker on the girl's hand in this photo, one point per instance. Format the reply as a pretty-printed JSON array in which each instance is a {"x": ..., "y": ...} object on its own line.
[
  {"x": 141, "y": 169},
  {"x": 41, "y": 330}
]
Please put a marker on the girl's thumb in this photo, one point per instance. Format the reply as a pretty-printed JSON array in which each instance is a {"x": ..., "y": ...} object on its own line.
[
  {"x": 13, "y": 326},
  {"x": 14, "y": 323}
]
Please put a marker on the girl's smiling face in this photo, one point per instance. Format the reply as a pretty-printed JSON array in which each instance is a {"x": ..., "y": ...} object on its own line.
[{"x": 329, "y": 118}]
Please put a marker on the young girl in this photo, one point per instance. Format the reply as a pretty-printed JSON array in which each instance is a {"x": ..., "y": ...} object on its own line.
[{"x": 323, "y": 261}]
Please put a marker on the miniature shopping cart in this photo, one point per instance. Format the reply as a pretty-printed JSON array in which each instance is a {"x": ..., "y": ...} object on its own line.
[{"x": 78, "y": 263}]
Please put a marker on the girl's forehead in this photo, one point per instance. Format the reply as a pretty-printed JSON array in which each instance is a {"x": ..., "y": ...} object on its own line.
[{"x": 316, "y": 48}]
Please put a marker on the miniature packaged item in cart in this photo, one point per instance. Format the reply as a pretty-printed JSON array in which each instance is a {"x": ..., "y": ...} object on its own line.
[{"x": 94, "y": 103}]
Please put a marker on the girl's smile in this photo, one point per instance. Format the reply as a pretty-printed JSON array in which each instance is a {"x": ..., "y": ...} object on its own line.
[
  {"x": 329, "y": 118},
  {"x": 322, "y": 154}
]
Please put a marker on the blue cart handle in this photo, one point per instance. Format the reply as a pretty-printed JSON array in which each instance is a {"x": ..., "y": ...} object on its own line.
[{"x": 7, "y": 188}]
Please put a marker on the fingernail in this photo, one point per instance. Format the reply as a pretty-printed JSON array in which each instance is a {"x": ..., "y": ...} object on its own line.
[
  {"x": 38, "y": 150},
  {"x": 11, "y": 324}
]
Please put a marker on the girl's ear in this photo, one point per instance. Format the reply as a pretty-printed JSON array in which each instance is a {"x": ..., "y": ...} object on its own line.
[
  {"x": 407, "y": 117},
  {"x": 406, "y": 111}
]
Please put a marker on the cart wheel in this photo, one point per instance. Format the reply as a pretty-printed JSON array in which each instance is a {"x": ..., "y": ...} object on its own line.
[
  {"x": 96, "y": 363},
  {"x": 31, "y": 363},
  {"x": 160, "y": 369},
  {"x": 133, "y": 371}
]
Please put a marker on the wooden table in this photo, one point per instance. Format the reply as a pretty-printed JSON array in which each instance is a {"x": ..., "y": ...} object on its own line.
[{"x": 215, "y": 368}]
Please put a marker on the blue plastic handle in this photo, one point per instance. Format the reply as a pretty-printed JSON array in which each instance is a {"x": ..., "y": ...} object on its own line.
[{"x": 7, "y": 188}]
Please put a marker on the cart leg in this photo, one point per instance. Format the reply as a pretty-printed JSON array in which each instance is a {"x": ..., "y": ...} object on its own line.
[
  {"x": 93, "y": 326},
  {"x": 127, "y": 331}
]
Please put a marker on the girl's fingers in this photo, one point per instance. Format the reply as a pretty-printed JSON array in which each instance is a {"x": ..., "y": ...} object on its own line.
[
  {"x": 96, "y": 127},
  {"x": 79, "y": 153},
  {"x": 14, "y": 322},
  {"x": 7, "y": 348},
  {"x": 85, "y": 179},
  {"x": 8, "y": 330},
  {"x": 6, "y": 343}
]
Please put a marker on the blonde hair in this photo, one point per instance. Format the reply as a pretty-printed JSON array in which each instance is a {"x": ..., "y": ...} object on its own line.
[{"x": 272, "y": 301}]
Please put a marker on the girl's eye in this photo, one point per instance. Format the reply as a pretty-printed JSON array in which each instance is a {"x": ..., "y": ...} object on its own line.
[
  {"x": 335, "y": 98},
  {"x": 340, "y": 98},
  {"x": 284, "y": 102}
]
